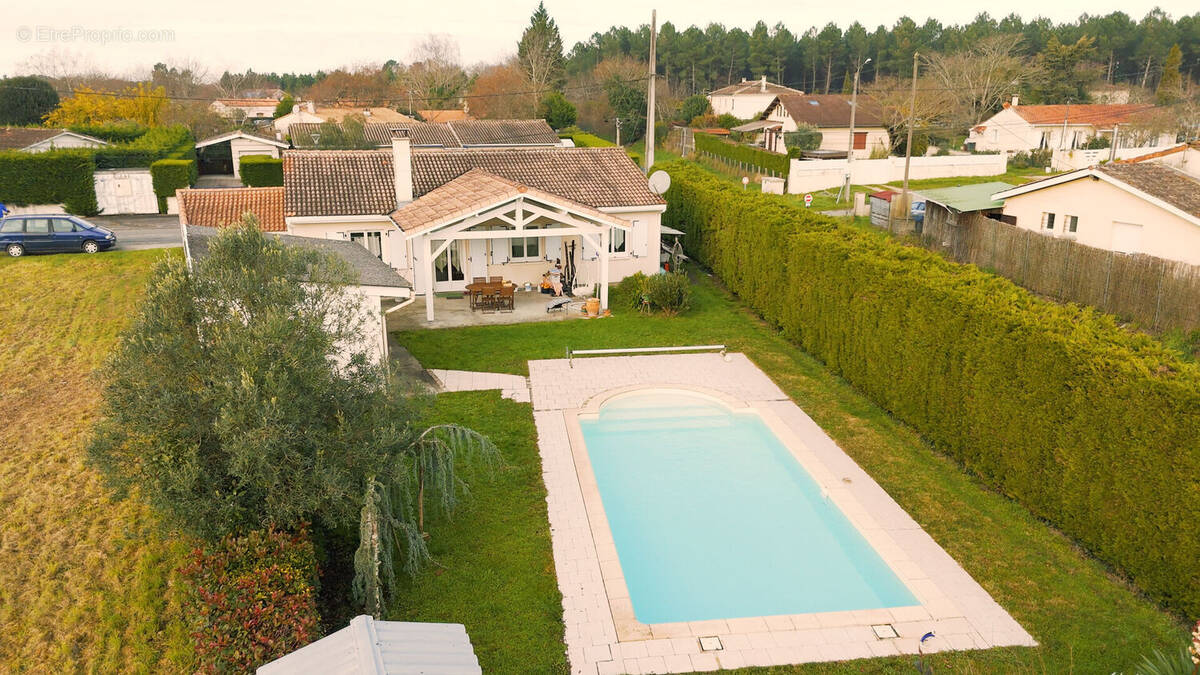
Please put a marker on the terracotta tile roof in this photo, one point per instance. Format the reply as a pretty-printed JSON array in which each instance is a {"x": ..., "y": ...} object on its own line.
[
  {"x": 828, "y": 110},
  {"x": 360, "y": 182},
  {"x": 597, "y": 177},
  {"x": 443, "y": 116},
  {"x": 1168, "y": 184},
  {"x": 219, "y": 207},
  {"x": 18, "y": 138},
  {"x": 380, "y": 134},
  {"x": 504, "y": 132},
  {"x": 1095, "y": 114},
  {"x": 338, "y": 182},
  {"x": 1194, "y": 145},
  {"x": 470, "y": 192},
  {"x": 752, "y": 87}
]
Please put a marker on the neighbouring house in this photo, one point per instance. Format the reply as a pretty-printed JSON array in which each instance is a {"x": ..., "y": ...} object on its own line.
[
  {"x": 1109, "y": 93},
  {"x": 444, "y": 216},
  {"x": 830, "y": 114},
  {"x": 944, "y": 206},
  {"x": 221, "y": 155},
  {"x": 1024, "y": 128},
  {"x": 748, "y": 98},
  {"x": 370, "y": 647},
  {"x": 1129, "y": 208},
  {"x": 257, "y": 110},
  {"x": 443, "y": 116},
  {"x": 33, "y": 139},
  {"x": 304, "y": 111},
  {"x": 374, "y": 282},
  {"x": 274, "y": 93},
  {"x": 1185, "y": 157},
  {"x": 461, "y": 134}
]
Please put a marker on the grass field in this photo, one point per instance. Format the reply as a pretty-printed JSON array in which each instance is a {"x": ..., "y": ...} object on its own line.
[
  {"x": 85, "y": 582},
  {"x": 1086, "y": 620},
  {"x": 494, "y": 570}
]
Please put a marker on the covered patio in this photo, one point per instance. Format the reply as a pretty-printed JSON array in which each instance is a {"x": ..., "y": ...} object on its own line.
[
  {"x": 481, "y": 226},
  {"x": 454, "y": 311}
]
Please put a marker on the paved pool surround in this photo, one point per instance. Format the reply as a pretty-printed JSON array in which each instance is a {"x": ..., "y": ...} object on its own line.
[{"x": 602, "y": 634}]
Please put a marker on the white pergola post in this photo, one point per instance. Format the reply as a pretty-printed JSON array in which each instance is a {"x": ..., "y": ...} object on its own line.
[
  {"x": 605, "y": 234},
  {"x": 427, "y": 262}
]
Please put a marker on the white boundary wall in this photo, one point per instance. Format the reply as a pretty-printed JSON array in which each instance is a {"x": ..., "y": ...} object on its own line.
[
  {"x": 125, "y": 191},
  {"x": 820, "y": 174},
  {"x": 1069, "y": 160}
]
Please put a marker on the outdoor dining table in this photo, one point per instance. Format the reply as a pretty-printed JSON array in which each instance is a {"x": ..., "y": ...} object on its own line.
[{"x": 482, "y": 289}]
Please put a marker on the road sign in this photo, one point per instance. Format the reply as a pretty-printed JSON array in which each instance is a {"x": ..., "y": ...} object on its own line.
[{"x": 807, "y": 200}]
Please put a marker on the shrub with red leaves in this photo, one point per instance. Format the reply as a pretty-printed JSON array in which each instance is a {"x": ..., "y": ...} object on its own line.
[{"x": 253, "y": 599}]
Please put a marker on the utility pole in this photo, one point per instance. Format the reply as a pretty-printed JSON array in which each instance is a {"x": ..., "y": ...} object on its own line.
[
  {"x": 649, "y": 137},
  {"x": 1062, "y": 142},
  {"x": 912, "y": 116},
  {"x": 850, "y": 149},
  {"x": 618, "y": 131}
]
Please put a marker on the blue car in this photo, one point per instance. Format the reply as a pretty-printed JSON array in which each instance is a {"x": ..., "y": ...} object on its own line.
[
  {"x": 52, "y": 234},
  {"x": 918, "y": 212}
]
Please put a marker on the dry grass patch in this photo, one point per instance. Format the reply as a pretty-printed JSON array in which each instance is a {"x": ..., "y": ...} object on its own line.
[{"x": 85, "y": 582}]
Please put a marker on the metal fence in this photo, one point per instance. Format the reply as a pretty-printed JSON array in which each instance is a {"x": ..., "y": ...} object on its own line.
[{"x": 1155, "y": 293}]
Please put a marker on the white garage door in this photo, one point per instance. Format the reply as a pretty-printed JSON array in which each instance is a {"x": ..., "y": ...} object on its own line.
[
  {"x": 1127, "y": 237},
  {"x": 121, "y": 191}
]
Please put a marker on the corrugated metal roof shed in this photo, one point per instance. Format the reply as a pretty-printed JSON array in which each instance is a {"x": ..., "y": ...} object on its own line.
[
  {"x": 369, "y": 647},
  {"x": 967, "y": 198}
]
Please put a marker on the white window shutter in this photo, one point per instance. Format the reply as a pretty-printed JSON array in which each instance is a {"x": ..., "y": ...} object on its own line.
[
  {"x": 553, "y": 248},
  {"x": 589, "y": 251},
  {"x": 640, "y": 233}
]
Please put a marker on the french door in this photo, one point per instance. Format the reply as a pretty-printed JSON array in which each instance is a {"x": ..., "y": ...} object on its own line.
[{"x": 449, "y": 272}]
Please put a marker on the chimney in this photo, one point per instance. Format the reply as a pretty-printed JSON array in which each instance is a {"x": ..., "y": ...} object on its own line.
[
  {"x": 763, "y": 84},
  {"x": 402, "y": 166},
  {"x": 1014, "y": 101}
]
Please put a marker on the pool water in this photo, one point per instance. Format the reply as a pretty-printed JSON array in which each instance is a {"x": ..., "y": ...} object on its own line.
[{"x": 713, "y": 518}]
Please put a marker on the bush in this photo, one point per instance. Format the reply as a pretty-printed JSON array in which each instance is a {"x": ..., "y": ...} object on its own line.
[
  {"x": 1030, "y": 160},
  {"x": 169, "y": 175},
  {"x": 113, "y": 132},
  {"x": 253, "y": 599},
  {"x": 635, "y": 288},
  {"x": 26, "y": 100},
  {"x": 556, "y": 110},
  {"x": 767, "y": 162},
  {"x": 583, "y": 139},
  {"x": 693, "y": 106},
  {"x": 805, "y": 137},
  {"x": 54, "y": 177},
  {"x": 174, "y": 142},
  {"x": 1093, "y": 428},
  {"x": 261, "y": 171},
  {"x": 1097, "y": 143},
  {"x": 671, "y": 293}
]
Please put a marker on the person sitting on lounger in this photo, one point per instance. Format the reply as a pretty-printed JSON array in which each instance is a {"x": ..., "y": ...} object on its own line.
[{"x": 556, "y": 278}]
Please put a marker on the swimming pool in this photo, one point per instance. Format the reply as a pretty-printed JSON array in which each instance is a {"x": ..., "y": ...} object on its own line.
[{"x": 714, "y": 518}]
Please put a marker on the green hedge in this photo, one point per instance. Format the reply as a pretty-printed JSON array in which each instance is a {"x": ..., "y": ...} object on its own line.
[
  {"x": 169, "y": 175},
  {"x": 1089, "y": 426},
  {"x": 113, "y": 132},
  {"x": 768, "y": 162},
  {"x": 54, "y": 177},
  {"x": 261, "y": 171},
  {"x": 174, "y": 142}
]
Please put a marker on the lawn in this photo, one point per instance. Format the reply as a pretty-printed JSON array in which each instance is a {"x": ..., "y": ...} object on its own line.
[
  {"x": 494, "y": 571},
  {"x": 1085, "y": 619},
  {"x": 85, "y": 582},
  {"x": 1013, "y": 176}
]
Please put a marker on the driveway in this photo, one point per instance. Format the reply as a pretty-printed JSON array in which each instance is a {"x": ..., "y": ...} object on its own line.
[{"x": 140, "y": 232}]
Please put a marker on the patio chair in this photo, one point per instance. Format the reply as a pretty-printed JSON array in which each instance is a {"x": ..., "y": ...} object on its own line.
[
  {"x": 479, "y": 280},
  {"x": 488, "y": 302},
  {"x": 495, "y": 280},
  {"x": 507, "y": 299}
]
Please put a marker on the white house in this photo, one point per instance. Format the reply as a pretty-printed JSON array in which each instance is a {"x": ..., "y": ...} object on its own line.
[
  {"x": 1129, "y": 208},
  {"x": 222, "y": 154},
  {"x": 830, "y": 114},
  {"x": 370, "y": 647},
  {"x": 32, "y": 139},
  {"x": 252, "y": 109},
  {"x": 748, "y": 98},
  {"x": 307, "y": 112},
  {"x": 443, "y": 216},
  {"x": 1019, "y": 128}
]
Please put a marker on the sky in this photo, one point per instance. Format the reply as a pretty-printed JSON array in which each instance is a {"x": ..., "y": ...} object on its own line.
[{"x": 128, "y": 37}]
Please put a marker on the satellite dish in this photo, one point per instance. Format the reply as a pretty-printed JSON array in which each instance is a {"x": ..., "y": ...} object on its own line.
[{"x": 660, "y": 182}]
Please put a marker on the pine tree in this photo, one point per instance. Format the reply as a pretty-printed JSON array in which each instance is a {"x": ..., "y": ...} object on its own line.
[
  {"x": 1170, "y": 85},
  {"x": 540, "y": 52}
]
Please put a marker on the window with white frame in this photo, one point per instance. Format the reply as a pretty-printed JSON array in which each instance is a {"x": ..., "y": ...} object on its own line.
[
  {"x": 1070, "y": 224},
  {"x": 616, "y": 240},
  {"x": 522, "y": 249},
  {"x": 372, "y": 241},
  {"x": 1048, "y": 221}
]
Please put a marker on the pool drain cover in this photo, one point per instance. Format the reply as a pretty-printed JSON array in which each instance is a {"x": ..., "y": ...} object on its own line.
[
  {"x": 711, "y": 643},
  {"x": 885, "y": 631}
]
